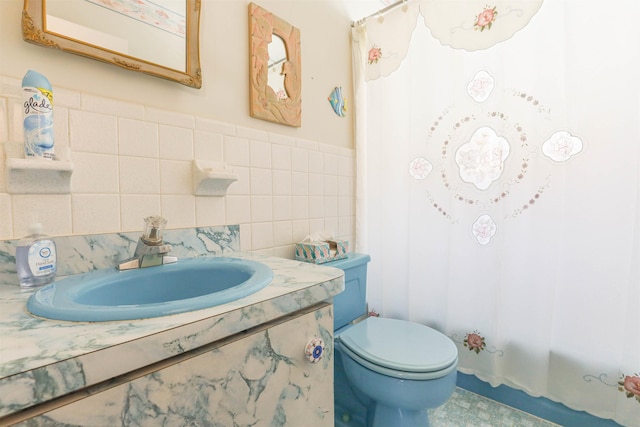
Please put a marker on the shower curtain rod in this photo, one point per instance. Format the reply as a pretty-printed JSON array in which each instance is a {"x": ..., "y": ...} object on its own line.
[{"x": 380, "y": 12}]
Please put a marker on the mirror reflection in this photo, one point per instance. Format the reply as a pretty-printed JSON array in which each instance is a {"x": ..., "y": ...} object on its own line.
[
  {"x": 154, "y": 32},
  {"x": 277, "y": 58},
  {"x": 156, "y": 37}
]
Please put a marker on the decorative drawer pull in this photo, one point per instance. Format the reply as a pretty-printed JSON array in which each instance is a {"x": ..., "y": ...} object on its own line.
[{"x": 314, "y": 350}]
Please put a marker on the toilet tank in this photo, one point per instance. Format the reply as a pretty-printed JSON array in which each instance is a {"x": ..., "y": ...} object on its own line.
[{"x": 352, "y": 302}]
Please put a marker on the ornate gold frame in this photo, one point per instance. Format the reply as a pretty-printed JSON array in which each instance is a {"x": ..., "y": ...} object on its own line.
[
  {"x": 264, "y": 104},
  {"x": 34, "y": 31}
]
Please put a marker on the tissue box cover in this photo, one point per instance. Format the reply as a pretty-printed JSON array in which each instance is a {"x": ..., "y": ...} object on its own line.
[{"x": 320, "y": 252}]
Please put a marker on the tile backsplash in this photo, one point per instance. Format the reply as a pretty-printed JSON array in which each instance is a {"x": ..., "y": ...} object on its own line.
[
  {"x": 81, "y": 254},
  {"x": 134, "y": 160}
]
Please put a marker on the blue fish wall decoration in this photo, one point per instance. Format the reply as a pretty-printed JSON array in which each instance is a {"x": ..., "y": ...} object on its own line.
[{"x": 338, "y": 103}]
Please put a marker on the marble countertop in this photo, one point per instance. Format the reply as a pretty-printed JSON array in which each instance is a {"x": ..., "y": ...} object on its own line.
[{"x": 42, "y": 359}]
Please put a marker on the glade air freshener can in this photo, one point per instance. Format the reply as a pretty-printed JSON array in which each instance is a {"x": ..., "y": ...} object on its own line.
[{"x": 37, "y": 116}]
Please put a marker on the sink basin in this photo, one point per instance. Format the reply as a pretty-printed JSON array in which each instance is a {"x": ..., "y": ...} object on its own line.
[{"x": 187, "y": 285}]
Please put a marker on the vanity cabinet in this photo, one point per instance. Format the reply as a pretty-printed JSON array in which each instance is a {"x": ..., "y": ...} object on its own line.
[{"x": 259, "y": 377}]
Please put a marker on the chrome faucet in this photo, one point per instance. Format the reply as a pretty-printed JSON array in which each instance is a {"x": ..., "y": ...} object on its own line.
[{"x": 151, "y": 250}]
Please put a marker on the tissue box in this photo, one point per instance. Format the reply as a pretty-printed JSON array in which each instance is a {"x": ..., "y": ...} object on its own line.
[{"x": 321, "y": 252}]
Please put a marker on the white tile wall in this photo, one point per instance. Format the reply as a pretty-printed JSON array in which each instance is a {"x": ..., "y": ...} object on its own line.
[{"x": 132, "y": 160}]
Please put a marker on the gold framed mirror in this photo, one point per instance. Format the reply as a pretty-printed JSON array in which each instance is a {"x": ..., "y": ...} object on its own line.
[
  {"x": 162, "y": 41},
  {"x": 274, "y": 68}
]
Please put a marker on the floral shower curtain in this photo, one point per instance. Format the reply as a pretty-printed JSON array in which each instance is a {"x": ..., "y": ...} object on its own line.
[{"x": 498, "y": 150}]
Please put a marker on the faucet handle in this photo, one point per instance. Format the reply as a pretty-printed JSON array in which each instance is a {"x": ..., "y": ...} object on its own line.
[
  {"x": 150, "y": 250},
  {"x": 168, "y": 259},
  {"x": 155, "y": 259},
  {"x": 153, "y": 228}
]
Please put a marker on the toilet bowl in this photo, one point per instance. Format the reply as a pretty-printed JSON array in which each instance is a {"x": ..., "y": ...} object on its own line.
[
  {"x": 398, "y": 369},
  {"x": 388, "y": 372}
]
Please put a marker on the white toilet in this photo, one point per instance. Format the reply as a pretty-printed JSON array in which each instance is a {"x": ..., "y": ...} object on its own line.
[{"x": 388, "y": 372}]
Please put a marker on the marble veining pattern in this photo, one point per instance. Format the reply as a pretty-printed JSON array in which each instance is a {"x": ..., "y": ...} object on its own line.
[
  {"x": 41, "y": 359},
  {"x": 80, "y": 254},
  {"x": 262, "y": 380}
]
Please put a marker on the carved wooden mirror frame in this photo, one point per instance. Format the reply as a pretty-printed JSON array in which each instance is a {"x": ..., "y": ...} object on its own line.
[
  {"x": 264, "y": 103},
  {"x": 34, "y": 30}
]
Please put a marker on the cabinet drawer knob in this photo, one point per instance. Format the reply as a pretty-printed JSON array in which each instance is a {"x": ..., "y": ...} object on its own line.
[{"x": 314, "y": 350}]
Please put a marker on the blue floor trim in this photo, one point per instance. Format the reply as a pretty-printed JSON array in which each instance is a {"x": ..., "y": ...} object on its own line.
[{"x": 539, "y": 406}]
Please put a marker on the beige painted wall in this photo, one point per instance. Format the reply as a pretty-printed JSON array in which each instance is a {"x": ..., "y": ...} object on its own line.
[
  {"x": 132, "y": 137},
  {"x": 326, "y": 63}
]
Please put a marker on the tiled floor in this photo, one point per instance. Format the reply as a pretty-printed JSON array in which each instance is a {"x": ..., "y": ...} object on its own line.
[{"x": 467, "y": 409}]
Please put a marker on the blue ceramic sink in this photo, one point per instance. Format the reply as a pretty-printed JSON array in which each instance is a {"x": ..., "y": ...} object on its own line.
[{"x": 187, "y": 285}]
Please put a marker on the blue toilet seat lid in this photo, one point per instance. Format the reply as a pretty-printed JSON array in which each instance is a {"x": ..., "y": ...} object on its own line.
[{"x": 400, "y": 345}]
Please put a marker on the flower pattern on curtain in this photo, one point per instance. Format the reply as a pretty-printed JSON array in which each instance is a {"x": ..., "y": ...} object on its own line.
[{"x": 499, "y": 189}]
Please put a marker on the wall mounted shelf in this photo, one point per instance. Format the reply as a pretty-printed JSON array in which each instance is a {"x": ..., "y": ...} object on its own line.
[
  {"x": 36, "y": 176},
  {"x": 212, "y": 178}
]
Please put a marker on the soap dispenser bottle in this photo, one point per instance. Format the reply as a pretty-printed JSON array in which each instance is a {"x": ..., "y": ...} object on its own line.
[{"x": 36, "y": 258}]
